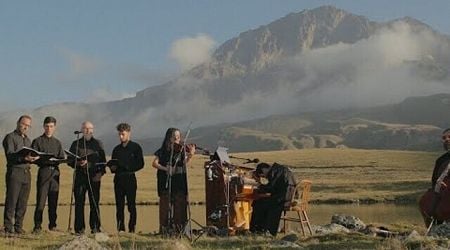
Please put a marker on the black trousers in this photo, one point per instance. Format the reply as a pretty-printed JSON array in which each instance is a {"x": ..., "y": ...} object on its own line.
[
  {"x": 179, "y": 211},
  {"x": 125, "y": 188},
  {"x": 47, "y": 189},
  {"x": 266, "y": 216},
  {"x": 18, "y": 185},
  {"x": 80, "y": 189}
]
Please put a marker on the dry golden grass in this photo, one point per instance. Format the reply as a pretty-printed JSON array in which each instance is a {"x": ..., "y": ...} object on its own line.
[{"x": 337, "y": 174}]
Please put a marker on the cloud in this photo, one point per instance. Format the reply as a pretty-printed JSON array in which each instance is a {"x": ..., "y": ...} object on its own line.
[
  {"x": 80, "y": 64},
  {"x": 106, "y": 95},
  {"x": 192, "y": 51},
  {"x": 386, "y": 68}
]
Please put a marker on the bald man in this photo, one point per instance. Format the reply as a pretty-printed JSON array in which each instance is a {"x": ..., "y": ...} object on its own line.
[{"x": 87, "y": 177}]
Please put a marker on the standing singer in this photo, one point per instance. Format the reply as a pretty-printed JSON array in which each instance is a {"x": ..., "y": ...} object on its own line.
[
  {"x": 87, "y": 177},
  {"x": 128, "y": 159}
]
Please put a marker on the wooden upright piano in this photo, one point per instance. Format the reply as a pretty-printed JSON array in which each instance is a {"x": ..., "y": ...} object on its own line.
[{"x": 230, "y": 190}]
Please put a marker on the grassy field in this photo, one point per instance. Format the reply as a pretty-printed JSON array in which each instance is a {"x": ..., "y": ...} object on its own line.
[
  {"x": 338, "y": 175},
  {"x": 51, "y": 240}
]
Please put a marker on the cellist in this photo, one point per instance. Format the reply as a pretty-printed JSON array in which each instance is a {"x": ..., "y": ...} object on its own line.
[
  {"x": 444, "y": 159},
  {"x": 433, "y": 208}
]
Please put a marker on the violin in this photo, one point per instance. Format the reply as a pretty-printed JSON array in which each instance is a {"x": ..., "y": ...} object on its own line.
[{"x": 177, "y": 147}]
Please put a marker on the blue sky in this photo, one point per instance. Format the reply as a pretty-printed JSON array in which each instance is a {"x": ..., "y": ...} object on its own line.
[{"x": 58, "y": 51}]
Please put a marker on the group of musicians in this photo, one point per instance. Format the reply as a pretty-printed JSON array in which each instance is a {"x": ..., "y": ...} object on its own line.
[
  {"x": 87, "y": 156},
  {"x": 88, "y": 159}
]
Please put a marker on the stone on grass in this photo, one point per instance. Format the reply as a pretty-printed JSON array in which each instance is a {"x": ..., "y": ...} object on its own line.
[
  {"x": 442, "y": 230},
  {"x": 101, "y": 237},
  {"x": 330, "y": 229},
  {"x": 348, "y": 221},
  {"x": 82, "y": 242}
]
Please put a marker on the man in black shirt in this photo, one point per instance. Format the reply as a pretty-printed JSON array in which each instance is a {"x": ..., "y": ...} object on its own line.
[
  {"x": 18, "y": 176},
  {"x": 267, "y": 211},
  {"x": 48, "y": 174},
  {"x": 87, "y": 177},
  {"x": 128, "y": 159}
]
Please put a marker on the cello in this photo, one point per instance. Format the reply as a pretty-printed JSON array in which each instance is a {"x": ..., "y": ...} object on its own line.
[{"x": 435, "y": 203}]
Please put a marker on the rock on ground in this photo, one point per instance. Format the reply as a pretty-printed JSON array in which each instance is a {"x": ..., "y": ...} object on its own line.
[
  {"x": 348, "y": 221},
  {"x": 82, "y": 242},
  {"x": 330, "y": 229},
  {"x": 440, "y": 230}
]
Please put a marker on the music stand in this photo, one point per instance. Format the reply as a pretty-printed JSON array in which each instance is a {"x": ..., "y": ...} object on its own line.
[{"x": 222, "y": 155}]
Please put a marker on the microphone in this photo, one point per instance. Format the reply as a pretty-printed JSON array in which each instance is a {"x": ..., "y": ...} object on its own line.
[
  {"x": 77, "y": 132},
  {"x": 256, "y": 160}
]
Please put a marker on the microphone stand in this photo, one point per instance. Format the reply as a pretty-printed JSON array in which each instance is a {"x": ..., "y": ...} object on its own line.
[
  {"x": 73, "y": 184},
  {"x": 169, "y": 188},
  {"x": 97, "y": 210},
  {"x": 188, "y": 205}
]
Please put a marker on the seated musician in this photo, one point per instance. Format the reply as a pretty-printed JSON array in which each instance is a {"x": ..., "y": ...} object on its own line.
[
  {"x": 437, "y": 183},
  {"x": 267, "y": 211}
]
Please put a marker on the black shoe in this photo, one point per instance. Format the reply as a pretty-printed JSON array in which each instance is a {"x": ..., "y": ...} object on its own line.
[
  {"x": 37, "y": 230},
  {"x": 131, "y": 231},
  {"x": 7, "y": 231},
  {"x": 20, "y": 231},
  {"x": 79, "y": 232},
  {"x": 95, "y": 230}
]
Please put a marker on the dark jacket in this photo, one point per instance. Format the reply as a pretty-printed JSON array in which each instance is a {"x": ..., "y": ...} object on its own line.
[
  {"x": 178, "y": 179},
  {"x": 95, "y": 152},
  {"x": 12, "y": 143},
  {"x": 281, "y": 184},
  {"x": 49, "y": 145}
]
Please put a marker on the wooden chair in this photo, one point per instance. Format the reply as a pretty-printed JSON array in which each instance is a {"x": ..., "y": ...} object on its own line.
[{"x": 300, "y": 207}]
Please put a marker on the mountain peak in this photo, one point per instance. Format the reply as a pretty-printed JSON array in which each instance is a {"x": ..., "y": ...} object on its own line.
[{"x": 255, "y": 50}]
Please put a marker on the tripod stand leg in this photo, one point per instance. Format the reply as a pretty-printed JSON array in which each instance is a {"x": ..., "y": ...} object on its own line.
[{"x": 70, "y": 209}]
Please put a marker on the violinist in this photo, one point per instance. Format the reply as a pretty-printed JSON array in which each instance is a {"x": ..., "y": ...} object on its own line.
[
  {"x": 170, "y": 161},
  {"x": 436, "y": 207}
]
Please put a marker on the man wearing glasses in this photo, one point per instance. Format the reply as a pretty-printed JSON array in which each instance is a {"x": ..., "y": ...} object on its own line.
[
  {"x": 87, "y": 177},
  {"x": 18, "y": 176}
]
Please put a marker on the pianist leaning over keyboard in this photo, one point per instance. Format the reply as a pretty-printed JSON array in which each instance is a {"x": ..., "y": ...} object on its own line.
[{"x": 267, "y": 211}]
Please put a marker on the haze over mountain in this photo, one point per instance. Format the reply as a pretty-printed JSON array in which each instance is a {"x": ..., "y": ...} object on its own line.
[{"x": 315, "y": 62}]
